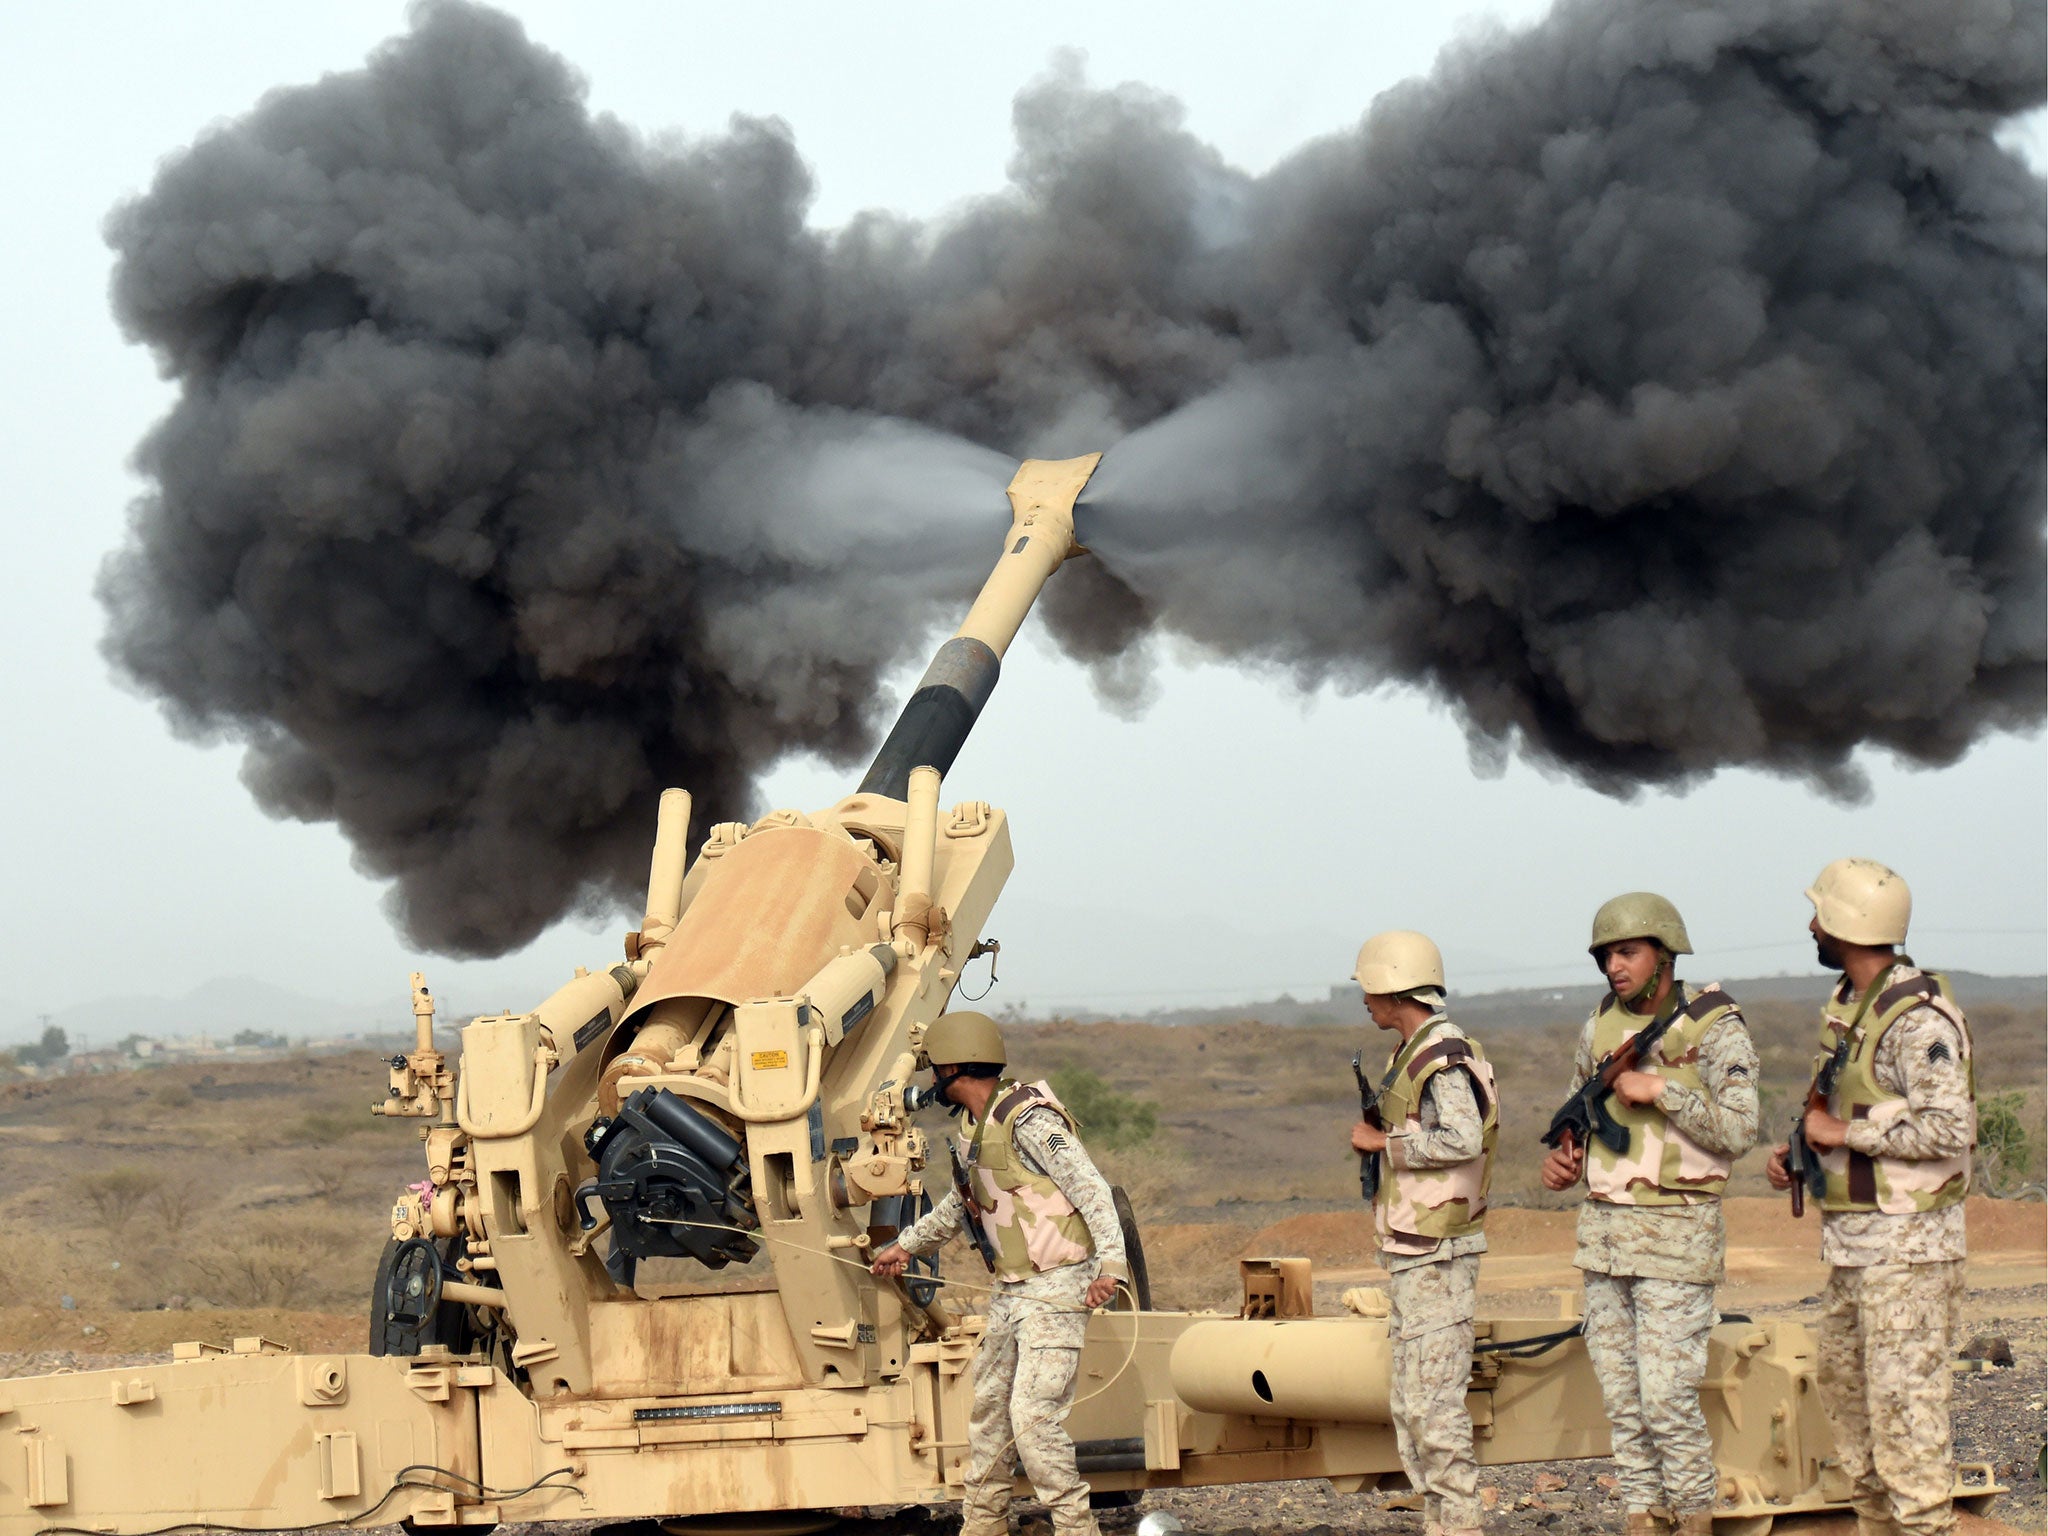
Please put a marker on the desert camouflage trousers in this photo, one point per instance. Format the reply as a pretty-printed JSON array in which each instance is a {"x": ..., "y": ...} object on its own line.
[
  {"x": 1886, "y": 1338},
  {"x": 1024, "y": 1376},
  {"x": 1429, "y": 1326},
  {"x": 1647, "y": 1340}
]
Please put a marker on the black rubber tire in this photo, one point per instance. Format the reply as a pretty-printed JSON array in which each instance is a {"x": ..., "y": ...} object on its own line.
[
  {"x": 922, "y": 1278},
  {"x": 450, "y": 1324},
  {"x": 1134, "y": 1254},
  {"x": 1115, "y": 1498}
]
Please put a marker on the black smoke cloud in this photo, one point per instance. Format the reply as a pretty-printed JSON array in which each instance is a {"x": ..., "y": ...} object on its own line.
[{"x": 1663, "y": 386}]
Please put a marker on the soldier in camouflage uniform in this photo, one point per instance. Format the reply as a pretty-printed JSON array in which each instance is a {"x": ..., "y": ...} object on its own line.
[
  {"x": 1438, "y": 1118},
  {"x": 1894, "y": 1141},
  {"x": 1651, "y": 1239},
  {"x": 1050, "y": 1217}
]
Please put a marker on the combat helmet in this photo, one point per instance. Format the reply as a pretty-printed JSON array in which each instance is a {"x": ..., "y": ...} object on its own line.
[
  {"x": 1861, "y": 901},
  {"x": 1398, "y": 961},
  {"x": 1639, "y": 915},
  {"x": 963, "y": 1037}
]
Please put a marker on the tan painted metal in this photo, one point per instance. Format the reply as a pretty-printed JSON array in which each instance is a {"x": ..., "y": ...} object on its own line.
[
  {"x": 1042, "y": 495},
  {"x": 665, "y": 871},
  {"x": 780, "y": 985},
  {"x": 913, "y": 924}
]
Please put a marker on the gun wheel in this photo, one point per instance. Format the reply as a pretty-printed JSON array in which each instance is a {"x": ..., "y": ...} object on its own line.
[
  {"x": 406, "y": 1309},
  {"x": 1134, "y": 1255}
]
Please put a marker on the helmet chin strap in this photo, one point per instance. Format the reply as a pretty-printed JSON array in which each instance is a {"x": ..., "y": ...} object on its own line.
[
  {"x": 942, "y": 1085},
  {"x": 1655, "y": 979}
]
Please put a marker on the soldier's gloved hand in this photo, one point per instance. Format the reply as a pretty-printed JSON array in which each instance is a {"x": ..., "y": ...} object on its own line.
[
  {"x": 1099, "y": 1292},
  {"x": 891, "y": 1261},
  {"x": 1561, "y": 1168},
  {"x": 1775, "y": 1169}
]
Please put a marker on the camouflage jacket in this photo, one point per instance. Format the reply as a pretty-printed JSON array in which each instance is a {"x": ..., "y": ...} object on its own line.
[
  {"x": 1919, "y": 1059},
  {"x": 1048, "y": 1148}
]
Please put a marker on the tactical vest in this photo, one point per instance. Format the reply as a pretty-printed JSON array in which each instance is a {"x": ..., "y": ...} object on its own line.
[
  {"x": 1897, "y": 1186},
  {"x": 1032, "y": 1225},
  {"x": 1417, "y": 1208},
  {"x": 1663, "y": 1165}
]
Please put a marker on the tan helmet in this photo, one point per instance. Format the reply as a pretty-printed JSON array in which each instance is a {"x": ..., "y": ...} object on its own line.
[
  {"x": 1398, "y": 961},
  {"x": 1861, "y": 901},
  {"x": 1639, "y": 915},
  {"x": 956, "y": 1037}
]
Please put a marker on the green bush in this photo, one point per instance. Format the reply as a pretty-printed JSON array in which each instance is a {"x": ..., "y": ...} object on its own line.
[
  {"x": 2005, "y": 1146},
  {"x": 52, "y": 1047},
  {"x": 1109, "y": 1120}
]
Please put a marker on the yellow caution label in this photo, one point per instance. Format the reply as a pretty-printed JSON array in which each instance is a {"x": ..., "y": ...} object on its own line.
[{"x": 770, "y": 1061}]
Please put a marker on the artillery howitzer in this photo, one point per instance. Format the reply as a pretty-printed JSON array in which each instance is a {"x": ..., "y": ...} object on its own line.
[{"x": 633, "y": 1282}]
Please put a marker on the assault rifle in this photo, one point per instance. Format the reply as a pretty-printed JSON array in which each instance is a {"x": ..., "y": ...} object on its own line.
[
  {"x": 1801, "y": 1161},
  {"x": 972, "y": 1224},
  {"x": 1369, "y": 1109},
  {"x": 1585, "y": 1117}
]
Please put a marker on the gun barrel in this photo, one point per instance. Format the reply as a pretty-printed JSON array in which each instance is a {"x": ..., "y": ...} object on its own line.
[{"x": 948, "y": 698}]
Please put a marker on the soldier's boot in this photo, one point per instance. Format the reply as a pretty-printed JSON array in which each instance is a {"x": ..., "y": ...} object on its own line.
[
  {"x": 1081, "y": 1524},
  {"x": 984, "y": 1526},
  {"x": 1646, "y": 1522},
  {"x": 1875, "y": 1525},
  {"x": 1699, "y": 1523}
]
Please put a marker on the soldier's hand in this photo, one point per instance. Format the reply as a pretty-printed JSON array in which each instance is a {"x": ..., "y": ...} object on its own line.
[
  {"x": 1775, "y": 1169},
  {"x": 1561, "y": 1168},
  {"x": 1638, "y": 1087},
  {"x": 1823, "y": 1130},
  {"x": 1100, "y": 1291},
  {"x": 891, "y": 1261},
  {"x": 1368, "y": 1138}
]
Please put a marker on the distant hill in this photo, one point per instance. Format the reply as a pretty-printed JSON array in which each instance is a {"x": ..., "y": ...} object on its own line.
[
  {"x": 225, "y": 1005},
  {"x": 217, "y": 1008},
  {"x": 1548, "y": 1005}
]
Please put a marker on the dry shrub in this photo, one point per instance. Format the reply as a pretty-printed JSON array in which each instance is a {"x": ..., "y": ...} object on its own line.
[
  {"x": 1154, "y": 1177},
  {"x": 325, "y": 1177},
  {"x": 173, "y": 1096},
  {"x": 292, "y": 1259},
  {"x": 325, "y": 1127},
  {"x": 39, "y": 1264},
  {"x": 175, "y": 1206},
  {"x": 116, "y": 1194}
]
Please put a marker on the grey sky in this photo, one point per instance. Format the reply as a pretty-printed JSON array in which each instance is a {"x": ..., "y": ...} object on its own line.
[{"x": 1235, "y": 840}]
